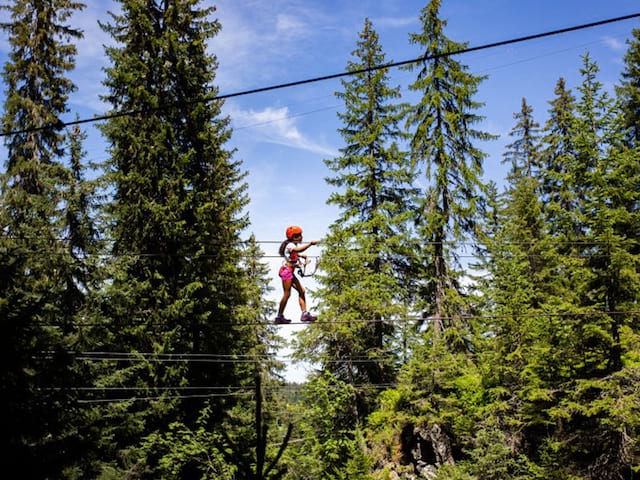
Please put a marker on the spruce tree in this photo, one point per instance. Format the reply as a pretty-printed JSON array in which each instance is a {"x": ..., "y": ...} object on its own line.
[
  {"x": 629, "y": 88},
  {"x": 364, "y": 254},
  {"x": 608, "y": 212},
  {"x": 83, "y": 277},
  {"x": 176, "y": 215},
  {"x": 519, "y": 268},
  {"x": 362, "y": 287},
  {"x": 45, "y": 430},
  {"x": 522, "y": 153},
  {"x": 557, "y": 154},
  {"x": 242, "y": 447},
  {"x": 573, "y": 368},
  {"x": 443, "y": 143},
  {"x": 39, "y": 300}
]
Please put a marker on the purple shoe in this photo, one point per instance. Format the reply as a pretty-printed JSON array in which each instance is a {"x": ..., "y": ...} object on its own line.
[
  {"x": 281, "y": 320},
  {"x": 308, "y": 318}
]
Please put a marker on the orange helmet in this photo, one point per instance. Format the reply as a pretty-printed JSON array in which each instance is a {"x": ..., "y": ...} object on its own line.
[{"x": 293, "y": 230}]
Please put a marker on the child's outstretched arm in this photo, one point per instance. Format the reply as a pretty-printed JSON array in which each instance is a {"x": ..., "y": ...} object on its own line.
[{"x": 304, "y": 246}]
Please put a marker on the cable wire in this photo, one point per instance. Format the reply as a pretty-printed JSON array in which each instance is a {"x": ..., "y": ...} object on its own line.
[
  {"x": 249, "y": 391},
  {"x": 60, "y": 125},
  {"x": 398, "y": 320}
]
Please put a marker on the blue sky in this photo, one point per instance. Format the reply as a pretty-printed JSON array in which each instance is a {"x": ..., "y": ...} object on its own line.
[{"x": 282, "y": 136}]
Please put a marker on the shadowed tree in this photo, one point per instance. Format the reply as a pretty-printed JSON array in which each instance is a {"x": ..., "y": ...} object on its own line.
[
  {"x": 39, "y": 294},
  {"x": 444, "y": 144},
  {"x": 364, "y": 284},
  {"x": 177, "y": 213}
]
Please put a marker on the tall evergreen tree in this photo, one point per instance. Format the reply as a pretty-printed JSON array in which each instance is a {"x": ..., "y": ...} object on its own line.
[
  {"x": 38, "y": 297},
  {"x": 178, "y": 286},
  {"x": 364, "y": 255},
  {"x": 443, "y": 142},
  {"x": 363, "y": 252},
  {"x": 629, "y": 90},
  {"x": 608, "y": 211},
  {"x": 519, "y": 285},
  {"x": 83, "y": 277},
  {"x": 240, "y": 448},
  {"x": 572, "y": 354},
  {"x": 557, "y": 155},
  {"x": 522, "y": 153}
]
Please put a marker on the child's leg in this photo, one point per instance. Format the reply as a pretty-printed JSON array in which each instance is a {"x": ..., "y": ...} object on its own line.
[
  {"x": 301, "y": 294},
  {"x": 287, "y": 278},
  {"x": 286, "y": 286}
]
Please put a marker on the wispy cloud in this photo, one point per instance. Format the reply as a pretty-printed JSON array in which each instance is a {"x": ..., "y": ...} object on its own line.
[
  {"x": 250, "y": 45},
  {"x": 395, "y": 22},
  {"x": 290, "y": 26},
  {"x": 91, "y": 57},
  {"x": 274, "y": 125},
  {"x": 614, "y": 44},
  {"x": 257, "y": 41}
]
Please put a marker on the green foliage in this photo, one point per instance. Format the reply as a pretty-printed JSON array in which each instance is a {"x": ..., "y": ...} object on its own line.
[
  {"x": 359, "y": 464},
  {"x": 628, "y": 89},
  {"x": 531, "y": 373},
  {"x": 494, "y": 456},
  {"x": 384, "y": 424},
  {"x": 443, "y": 143},
  {"x": 185, "y": 453},
  {"x": 554, "y": 370},
  {"x": 362, "y": 285},
  {"x": 329, "y": 447},
  {"x": 44, "y": 276},
  {"x": 176, "y": 216},
  {"x": 441, "y": 383}
]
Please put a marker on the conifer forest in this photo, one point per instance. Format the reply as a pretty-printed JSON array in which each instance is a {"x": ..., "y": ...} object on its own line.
[{"x": 136, "y": 336}]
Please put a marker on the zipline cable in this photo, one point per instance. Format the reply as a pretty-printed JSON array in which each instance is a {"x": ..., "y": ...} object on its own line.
[
  {"x": 60, "y": 125},
  {"x": 248, "y": 392},
  {"x": 198, "y": 358},
  {"x": 398, "y": 320}
]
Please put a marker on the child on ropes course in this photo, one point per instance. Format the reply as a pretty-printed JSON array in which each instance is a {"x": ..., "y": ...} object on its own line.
[{"x": 291, "y": 250}]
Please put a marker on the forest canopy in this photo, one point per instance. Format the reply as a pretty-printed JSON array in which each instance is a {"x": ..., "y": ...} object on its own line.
[{"x": 467, "y": 330}]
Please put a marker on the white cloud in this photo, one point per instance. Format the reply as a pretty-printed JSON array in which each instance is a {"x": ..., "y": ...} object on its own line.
[
  {"x": 250, "y": 44},
  {"x": 614, "y": 44},
  {"x": 274, "y": 125},
  {"x": 395, "y": 22},
  {"x": 257, "y": 42},
  {"x": 91, "y": 57},
  {"x": 290, "y": 25}
]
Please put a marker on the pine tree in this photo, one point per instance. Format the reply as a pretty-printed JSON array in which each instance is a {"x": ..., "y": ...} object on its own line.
[
  {"x": 557, "y": 155},
  {"x": 519, "y": 266},
  {"x": 522, "y": 153},
  {"x": 608, "y": 211},
  {"x": 38, "y": 300},
  {"x": 178, "y": 286},
  {"x": 362, "y": 289},
  {"x": 239, "y": 449},
  {"x": 363, "y": 286},
  {"x": 628, "y": 90},
  {"x": 83, "y": 277},
  {"x": 443, "y": 142},
  {"x": 564, "y": 225},
  {"x": 571, "y": 370},
  {"x": 436, "y": 379}
]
